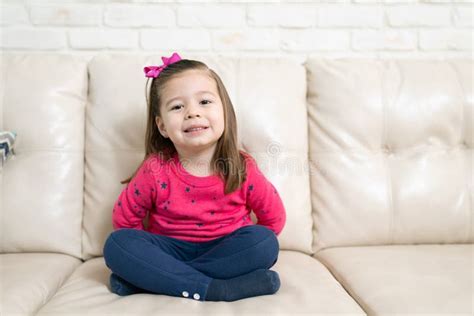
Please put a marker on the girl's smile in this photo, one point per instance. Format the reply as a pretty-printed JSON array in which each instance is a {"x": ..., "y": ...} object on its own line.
[{"x": 195, "y": 131}]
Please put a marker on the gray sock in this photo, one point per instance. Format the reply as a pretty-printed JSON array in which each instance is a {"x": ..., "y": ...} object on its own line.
[
  {"x": 121, "y": 287},
  {"x": 255, "y": 283}
]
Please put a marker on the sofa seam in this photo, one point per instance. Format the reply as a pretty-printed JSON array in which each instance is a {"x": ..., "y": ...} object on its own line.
[
  {"x": 86, "y": 103},
  {"x": 66, "y": 279},
  {"x": 469, "y": 161},
  {"x": 5, "y": 72},
  {"x": 385, "y": 159},
  {"x": 348, "y": 289},
  {"x": 314, "y": 228}
]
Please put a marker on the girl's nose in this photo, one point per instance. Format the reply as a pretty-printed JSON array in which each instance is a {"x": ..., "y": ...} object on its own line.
[{"x": 192, "y": 112}]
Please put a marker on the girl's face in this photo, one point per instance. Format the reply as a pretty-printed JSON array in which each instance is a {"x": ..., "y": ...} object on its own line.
[{"x": 192, "y": 114}]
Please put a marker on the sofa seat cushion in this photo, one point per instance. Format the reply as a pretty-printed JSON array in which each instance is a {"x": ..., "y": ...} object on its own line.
[
  {"x": 428, "y": 279},
  {"x": 29, "y": 280},
  {"x": 307, "y": 288}
]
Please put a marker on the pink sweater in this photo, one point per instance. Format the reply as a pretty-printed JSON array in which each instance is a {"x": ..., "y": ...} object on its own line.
[{"x": 192, "y": 208}]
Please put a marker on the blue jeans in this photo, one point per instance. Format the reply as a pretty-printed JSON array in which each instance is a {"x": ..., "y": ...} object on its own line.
[{"x": 165, "y": 265}]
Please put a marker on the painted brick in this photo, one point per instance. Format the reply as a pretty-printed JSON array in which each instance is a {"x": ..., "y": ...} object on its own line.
[
  {"x": 310, "y": 40},
  {"x": 285, "y": 15},
  {"x": 245, "y": 40},
  {"x": 211, "y": 16},
  {"x": 350, "y": 15},
  {"x": 66, "y": 14},
  {"x": 446, "y": 39},
  {"x": 175, "y": 39},
  {"x": 419, "y": 15},
  {"x": 463, "y": 16},
  {"x": 33, "y": 39},
  {"x": 139, "y": 16},
  {"x": 13, "y": 15},
  {"x": 99, "y": 39},
  {"x": 384, "y": 39}
]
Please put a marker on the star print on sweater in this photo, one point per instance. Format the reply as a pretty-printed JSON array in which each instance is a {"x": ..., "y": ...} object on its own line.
[{"x": 193, "y": 208}]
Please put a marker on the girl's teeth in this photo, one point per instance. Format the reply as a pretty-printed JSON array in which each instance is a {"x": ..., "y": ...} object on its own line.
[{"x": 195, "y": 129}]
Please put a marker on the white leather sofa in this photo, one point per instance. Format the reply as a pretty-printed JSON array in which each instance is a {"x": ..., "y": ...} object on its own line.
[{"x": 373, "y": 160}]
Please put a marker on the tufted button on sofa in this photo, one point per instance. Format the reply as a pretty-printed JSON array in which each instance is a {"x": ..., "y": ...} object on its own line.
[{"x": 373, "y": 160}]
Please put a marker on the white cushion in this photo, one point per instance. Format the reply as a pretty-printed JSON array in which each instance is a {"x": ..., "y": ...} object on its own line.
[
  {"x": 29, "y": 280},
  {"x": 307, "y": 289},
  {"x": 41, "y": 191},
  {"x": 406, "y": 279},
  {"x": 391, "y": 151}
]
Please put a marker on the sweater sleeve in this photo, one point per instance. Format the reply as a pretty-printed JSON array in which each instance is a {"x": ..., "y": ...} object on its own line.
[
  {"x": 263, "y": 199},
  {"x": 135, "y": 200}
]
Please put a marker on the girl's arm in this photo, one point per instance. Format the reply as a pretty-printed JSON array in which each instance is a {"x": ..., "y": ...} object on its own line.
[
  {"x": 263, "y": 199},
  {"x": 135, "y": 200}
]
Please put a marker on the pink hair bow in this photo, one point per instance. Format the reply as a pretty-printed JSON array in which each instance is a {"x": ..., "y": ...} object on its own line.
[{"x": 154, "y": 71}]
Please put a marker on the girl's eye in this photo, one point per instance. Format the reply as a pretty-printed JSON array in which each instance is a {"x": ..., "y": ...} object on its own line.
[{"x": 180, "y": 105}]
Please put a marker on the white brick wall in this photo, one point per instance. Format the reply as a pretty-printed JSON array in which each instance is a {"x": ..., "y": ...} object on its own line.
[
  {"x": 351, "y": 16},
  {"x": 286, "y": 16},
  {"x": 401, "y": 40},
  {"x": 418, "y": 15},
  {"x": 67, "y": 15},
  {"x": 131, "y": 16},
  {"x": 299, "y": 28},
  {"x": 211, "y": 16}
]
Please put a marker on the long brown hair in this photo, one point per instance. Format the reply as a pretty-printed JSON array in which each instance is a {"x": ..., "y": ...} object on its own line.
[{"x": 227, "y": 161}]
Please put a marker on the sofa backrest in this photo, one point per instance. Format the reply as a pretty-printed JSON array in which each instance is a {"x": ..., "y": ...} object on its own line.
[
  {"x": 391, "y": 151},
  {"x": 269, "y": 97},
  {"x": 390, "y": 147},
  {"x": 42, "y": 99}
]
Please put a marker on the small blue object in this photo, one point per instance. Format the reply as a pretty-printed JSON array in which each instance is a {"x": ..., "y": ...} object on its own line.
[{"x": 7, "y": 139}]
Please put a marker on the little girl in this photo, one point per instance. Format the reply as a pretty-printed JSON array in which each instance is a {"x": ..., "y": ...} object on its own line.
[{"x": 198, "y": 190}]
